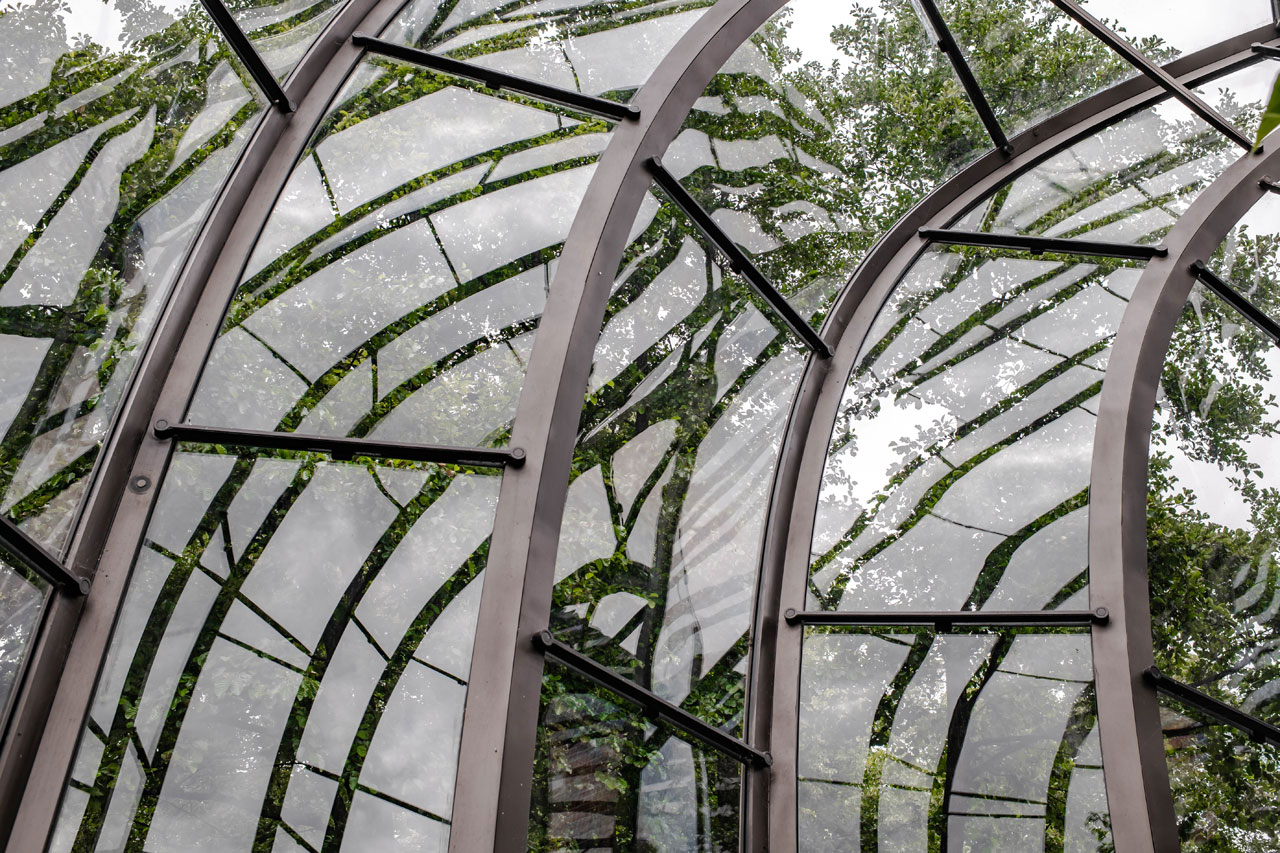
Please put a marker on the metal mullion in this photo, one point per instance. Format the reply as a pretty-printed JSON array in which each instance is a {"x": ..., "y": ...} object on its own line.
[
  {"x": 33, "y": 555},
  {"x": 1038, "y": 245},
  {"x": 944, "y": 620},
  {"x": 651, "y": 703},
  {"x": 739, "y": 261},
  {"x": 248, "y": 54},
  {"x": 1233, "y": 298},
  {"x": 946, "y": 42},
  {"x": 1139, "y": 60},
  {"x": 1275, "y": 13},
  {"x": 495, "y": 79},
  {"x": 1257, "y": 728},
  {"x": 343, "y": 448}
]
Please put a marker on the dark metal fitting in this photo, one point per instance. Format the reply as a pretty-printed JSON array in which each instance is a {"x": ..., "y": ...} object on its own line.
[
  {"x": 1101, "y": 616},
  {"x": 84, "y": 586},
  {"x": 162, "y": 428},
  {"x": 139, "y": 483},
  {"x": 791, "y": 616},
  {"x": 517, "y": 457}
]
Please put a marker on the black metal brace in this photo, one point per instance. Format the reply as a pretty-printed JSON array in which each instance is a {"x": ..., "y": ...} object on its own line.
[
  {"x": 739, "y": 262},
  {"x": 1040, "y": 245},
  {"x": 248, "y": 54},
  {"x": 944, "y": 620},
  {"x": 344, "y": 448},
  {"x": 1258, "y": 729},
  {"x": 33, "y": 555},
  {"x": 946, "y": 42},
  {"x": 499, "y": 79},
  {"x": 651, "y": 703},
  {"x": 1233, "y": 298},
  {"x": 1157, "y": 74}
]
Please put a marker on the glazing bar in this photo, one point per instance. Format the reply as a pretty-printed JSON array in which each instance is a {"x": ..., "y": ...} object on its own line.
[
  {"x": 738, "y": 260},
  {"x": 1275, "y": 13},
  {"x": 947, "y": 44},
  {"x": 248, "y": 54},
  {"x": 943, "y": 620},
  {"x": 344, "y": 448},
  {"x": 40, "y": 561},
  {"x": 650, "y": 702},
  {"x": 1039, "y": 245},
  {"x": 1138, "y": 60},
  {"x": 1233, "y": 298},
  {"x": 1222, "y": 712},
  {"x": 499, "y": 79}
]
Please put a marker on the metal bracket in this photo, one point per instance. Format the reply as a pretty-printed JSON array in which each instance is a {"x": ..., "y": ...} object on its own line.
[
  {"x": 344, "y": 448},
  {"x": 651, "y": 703},
  {"x": 1233, "y": 298},
  {"x": 499, "y": 79},
  {"x": 1040, "y": 245},
  {"x": 739, "y": 262}
]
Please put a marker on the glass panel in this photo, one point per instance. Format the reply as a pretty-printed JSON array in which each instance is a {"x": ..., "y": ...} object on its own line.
[
  {"x": 1226, "y": 786},
  {"x": 23, "y": 596},
  {"x": 118, "y": 126},
  {"x": 966, "y": 741},
  {"x": 1164, "y": 29},
  {"x": 1030, "y": 59},
  {"x": 291, "y": 660},
  {"x": 1241, "y": 95},
  {"x": 958, "y": 472},
  {"x": 282, "y": 31},
  {"x": 689, "y": 392},
  {"x": 1128, "y": 183},
  {"x": 604, "y": 779},
  {"x": 598, "y": 48},
  {"x": 397, "y": 296}
]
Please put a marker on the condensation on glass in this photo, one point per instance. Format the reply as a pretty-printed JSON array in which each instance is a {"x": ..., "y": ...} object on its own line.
[
  {"x": 118, "y": 126},
  {"x": 1212, "y": 510}
]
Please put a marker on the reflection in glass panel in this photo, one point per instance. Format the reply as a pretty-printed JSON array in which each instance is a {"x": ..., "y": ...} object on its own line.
[
  {"x": 397, "y": 296},
  {"x": 605, "y": 779},
  {"x": 1031, "y": 59},
  {"x": 1178, "y": 27},
  {"x": 23, "y": 596},
  {"x": 606, "y": 49},
  {"x": 921, "y": 741},
  {"x": 291, "y": 661},
  {"x": 689, "y": 392},
  {"x": 958, "y": 472},
  {"x": 118, "y": 126},
  {"x": 1128, "y": 183},
  {"x": 282, "y": 31},
  {"x": 1240, "y": 95},
  {"x": 1226, "y": 786}
]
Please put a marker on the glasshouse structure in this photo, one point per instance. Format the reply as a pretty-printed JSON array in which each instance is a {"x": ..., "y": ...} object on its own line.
[{"x": 643, "y": 425}]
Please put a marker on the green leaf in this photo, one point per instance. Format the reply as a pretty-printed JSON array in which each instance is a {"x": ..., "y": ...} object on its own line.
[{"x": 1271, "y": 117}]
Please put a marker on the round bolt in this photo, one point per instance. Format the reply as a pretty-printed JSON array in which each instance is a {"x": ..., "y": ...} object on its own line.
[
  {"x": 162, "y": 426},
  {"x": 140, "y": 483},
  {"x": 83, "y": 583},
  {"x": 790, "y": 615},
  {"x": 1102, "y": 614}
]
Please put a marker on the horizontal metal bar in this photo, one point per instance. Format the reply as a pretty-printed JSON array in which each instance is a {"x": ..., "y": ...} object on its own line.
[
  {"x": 739, "y": 261},
  {"x": 652, "y": 704},
  {"x": 344, "y": 448},
  {"x": 1204, "y": 703},
  {"x": 1233, "y": 298},
  {"x": 1268, "y": 184},
  {"x": 1157, "y": 74},
  {"x": 253, "y": 61},
  {"x": 944, "y": 619},
  {"x": 33, "y": 555},
  {"x": 495, "y": 79},
  {"x": 1039, "y": 245},
  {"x": 1266, "y": 49},
  {"x": 947, "y": 44}
]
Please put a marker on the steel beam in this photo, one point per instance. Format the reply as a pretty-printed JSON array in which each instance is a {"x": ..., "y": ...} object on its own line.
[
  {"x": 1255, "y": 727},
  {"x": 495, "y": 79},
  {"x": 33, "y": 555},
  {"x": 1236, "y": 300},
  {"x": 651, "y": 703},
  {"x": 248, "y": 54},
  {"x": 1040, "y": 245}
]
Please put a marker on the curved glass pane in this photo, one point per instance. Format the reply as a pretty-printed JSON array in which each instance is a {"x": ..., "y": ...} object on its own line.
[
  {"x": 23, "y": 597},
  {"x": 605, "y": 779},
  {"x": 282, "y": 31},
  {"x": 1169, "y": 28},
  {"x": 598, "y": 48},
  {"x": 118, "y": 125},
  {"x": 690, "y": 388},
  {"x": 396, "y": 296},
  {"x": 291, "y": 661},
  {"x": 1030, "y": 59},
  {"x": 968, "y": 741}
]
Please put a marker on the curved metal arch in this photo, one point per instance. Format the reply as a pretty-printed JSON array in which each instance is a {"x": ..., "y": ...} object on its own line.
[
  {"x": 49, "y": 715},
  {"x": 803, "y": 457},
  {"x": 1129, "y": 712}
]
